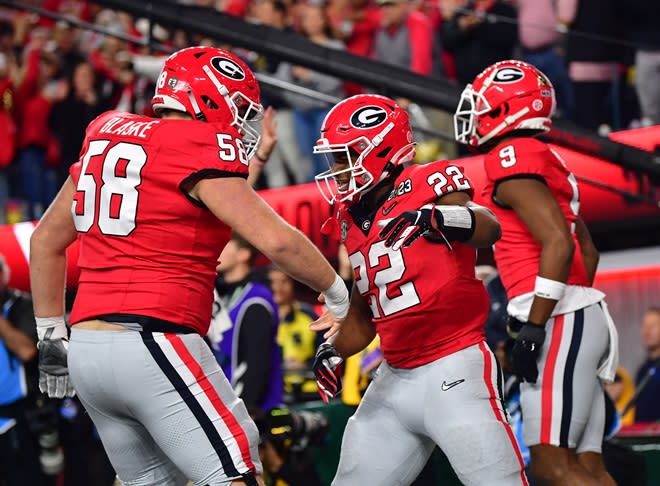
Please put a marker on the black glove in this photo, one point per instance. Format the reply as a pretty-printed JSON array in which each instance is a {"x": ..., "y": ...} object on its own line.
[
  {"x": 513, "y": 326},
  {"x": 526, "y": 350},
  {"x": 53, "y": 371},
  {"x": 327, "y": 370},
  {"x": 409, "y": 226}
]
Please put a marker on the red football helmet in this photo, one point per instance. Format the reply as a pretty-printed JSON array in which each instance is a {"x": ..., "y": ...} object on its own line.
[
  {"x": 370, "y": 134},
  {"x": 506, "y": 96},
  {"x": 213, "y": 85}
]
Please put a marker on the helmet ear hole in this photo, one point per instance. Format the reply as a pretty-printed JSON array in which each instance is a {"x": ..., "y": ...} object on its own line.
[
  {"x": 495, "y": 113},
  {"x": 383, "y": 153},
  {"x": 209, "y": 103}
]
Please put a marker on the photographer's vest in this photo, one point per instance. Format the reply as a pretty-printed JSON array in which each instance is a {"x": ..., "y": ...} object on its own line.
[
  {"x": 13, "y": 385},
  {"x": 227, "y": 350}
]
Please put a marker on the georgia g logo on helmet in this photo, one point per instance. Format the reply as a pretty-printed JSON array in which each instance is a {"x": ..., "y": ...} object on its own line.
[
  {"x": 508, "y": 75},
  {"x": 368, "y": 117},
  {"x": 228, "y": 68}
]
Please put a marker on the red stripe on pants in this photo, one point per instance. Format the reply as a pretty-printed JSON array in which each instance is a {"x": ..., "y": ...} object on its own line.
[
  {"x": 488, "y": 377},
  {"x": 548, "y": 377},
  {"x": 227, "y": 417}
]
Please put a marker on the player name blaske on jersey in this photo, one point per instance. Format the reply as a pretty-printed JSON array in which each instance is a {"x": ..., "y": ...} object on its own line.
[{"x": 118, "y": 125}]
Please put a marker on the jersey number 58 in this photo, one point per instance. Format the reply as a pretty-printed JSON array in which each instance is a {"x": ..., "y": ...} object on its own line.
[{"x": 121, "y": 174}]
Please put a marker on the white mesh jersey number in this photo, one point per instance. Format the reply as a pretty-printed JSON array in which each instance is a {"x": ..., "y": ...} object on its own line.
[
  {"x": 229, "y": 146},
  {"x": 442, "y": 185},
  {"x": 508, "y": 156},
  {"x": 384, "y": 280},
  {"x": 117, "y": 191}
]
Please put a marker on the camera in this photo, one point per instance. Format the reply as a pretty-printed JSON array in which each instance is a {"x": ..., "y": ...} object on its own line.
[
  {"x": 51, "y": 456},
  {"x": 43, "y": 423},
  {"x": 286, "y": 428}
]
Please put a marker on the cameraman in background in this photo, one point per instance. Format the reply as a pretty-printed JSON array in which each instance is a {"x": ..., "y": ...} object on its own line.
[
  {"x": 284, "y": 438},
  {"x": 28, "y": 433}
]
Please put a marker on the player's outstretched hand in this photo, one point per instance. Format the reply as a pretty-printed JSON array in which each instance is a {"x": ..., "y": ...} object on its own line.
[
  {"x": 53, "y": 370},
  {"x": 327, "y": 322},
  {"x": 526, "y": 351},
  {"x": 327, "y": 370}
]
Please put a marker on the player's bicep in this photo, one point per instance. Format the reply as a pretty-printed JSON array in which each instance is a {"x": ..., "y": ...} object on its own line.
[{"x": 534, "y": 203}]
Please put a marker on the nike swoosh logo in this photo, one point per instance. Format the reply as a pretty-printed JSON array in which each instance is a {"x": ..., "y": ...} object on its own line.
[
  {"x": 389, "y": 208},
  {"x": 446, "y": 386}
]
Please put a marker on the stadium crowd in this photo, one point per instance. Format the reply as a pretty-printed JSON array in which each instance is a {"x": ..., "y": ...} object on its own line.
[{"x": 55, "y": 77}]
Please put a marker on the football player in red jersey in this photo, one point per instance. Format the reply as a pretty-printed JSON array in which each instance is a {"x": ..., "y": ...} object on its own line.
[
  {"x": 566, "y": 341},
  {"x": 152, "y": 202},
  {"x": 411, "y": 234}
]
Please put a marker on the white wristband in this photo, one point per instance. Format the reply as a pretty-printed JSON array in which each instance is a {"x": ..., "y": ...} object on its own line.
[
  {"x": 336, "y": 298},
  {"x": 458, "y": 217},
  {"x": 549, "y": 289},
  {"x": 56, "y": 323}
]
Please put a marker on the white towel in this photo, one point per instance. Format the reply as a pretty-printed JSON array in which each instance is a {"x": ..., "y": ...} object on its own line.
[{"x": 607, "y": 369}]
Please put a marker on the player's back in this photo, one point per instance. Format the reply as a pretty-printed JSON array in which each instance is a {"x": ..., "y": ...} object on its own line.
[
  {"x": 517, "y": 253},
  {"x": 146, "y": 247}
]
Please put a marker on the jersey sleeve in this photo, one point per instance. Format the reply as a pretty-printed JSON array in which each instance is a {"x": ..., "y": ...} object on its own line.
[
  {"x": 437, "y": 179},
  {"x": 520, "y": 158}
]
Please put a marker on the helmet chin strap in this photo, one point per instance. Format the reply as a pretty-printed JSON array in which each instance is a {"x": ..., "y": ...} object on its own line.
[
  {"x": 508, "y": 121},
  {"x": 198, "y": 113}
]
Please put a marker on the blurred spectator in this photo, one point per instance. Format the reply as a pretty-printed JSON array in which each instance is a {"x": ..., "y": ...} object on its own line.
[
  {"x": 7, "y": 130},
  {"x": 308, "y": 113},
  {"x": 65, "y": 46},
  {"x": 648, "y": 375},
  {"x": 593, "y": 64},
  {"x": 19, "y": 453},
  {"x": 267, "y": 145},
  {"x": 541, "y": 44},
  {"x": 69, "y": 117},
  {"x": 356, "y": 23},
  {"x": 286, "y": 165},
  {"x": 245, "y": 317},
  {"x": 642, "y": 27},
  {"x": 297, "y": 341},
  {"x": 495, "y": 326},
  {"x": 79, "y": 9},
  {"x": 6, "y": 36},
  {"x": 359, "y": 370},
  {"x": 405, "y": 38},
  {"x": 475, "y": 36},
  {"x": 38, "y": 154},
  {"x": 621, "y": 391}
]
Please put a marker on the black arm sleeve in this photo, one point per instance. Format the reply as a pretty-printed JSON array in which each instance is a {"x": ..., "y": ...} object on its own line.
[{"x": 254, "y": 349}]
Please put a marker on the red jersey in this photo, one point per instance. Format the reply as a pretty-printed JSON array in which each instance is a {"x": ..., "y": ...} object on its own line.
[
  {"x": 425, "y": 300},
  {"x": 517, "y": 253},
  {"x": 146, "y": 247}
]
